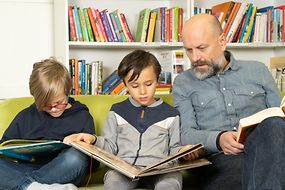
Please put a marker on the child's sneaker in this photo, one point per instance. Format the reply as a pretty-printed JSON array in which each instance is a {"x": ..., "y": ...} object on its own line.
[{"x": 55, "y": 186}]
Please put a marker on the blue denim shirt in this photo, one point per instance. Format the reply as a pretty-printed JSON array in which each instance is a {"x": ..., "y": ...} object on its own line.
[{"x": 216, "y": 104}]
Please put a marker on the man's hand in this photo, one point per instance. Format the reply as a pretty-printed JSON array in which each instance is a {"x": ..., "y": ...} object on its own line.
[
  {"x": 229, "y": 144},
  {"x": 85, "y": 137}
]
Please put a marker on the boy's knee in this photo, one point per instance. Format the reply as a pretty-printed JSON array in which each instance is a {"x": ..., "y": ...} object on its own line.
[{"x": 169, "y": 184}]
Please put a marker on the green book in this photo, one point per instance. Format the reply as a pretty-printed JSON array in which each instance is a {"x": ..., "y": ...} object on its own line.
[
  {"x": 29, "y": 150},
  {"x": 83, "y": 25},
  {"x": 88, "y": 25},
  {"x": 142, "y": 25}
]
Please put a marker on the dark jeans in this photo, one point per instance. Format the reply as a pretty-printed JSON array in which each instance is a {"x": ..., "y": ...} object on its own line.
[{"x": 260, "y": 167}]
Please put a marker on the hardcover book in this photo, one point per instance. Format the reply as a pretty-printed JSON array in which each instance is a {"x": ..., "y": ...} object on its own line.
[
  {"x": 166, "y": 165},
  {"x": 29, "y": 150},
  {"x": 142, "y": 25}
]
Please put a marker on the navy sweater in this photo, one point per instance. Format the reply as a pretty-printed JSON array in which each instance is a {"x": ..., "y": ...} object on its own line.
[{"x": 33, "y": 124}]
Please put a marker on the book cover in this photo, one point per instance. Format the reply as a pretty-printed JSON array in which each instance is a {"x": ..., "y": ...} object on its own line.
[
  {"x": 166, "y": 165},
  {"x": 250, "y": 26},
  {"x": 248, "y": 124},
  {"x": 142, "y": 25},
  {"x": 112, "y": 79},
  {"x": 246, "y": 23},
  {"x": 175, "y": 17},
  {"x": 28, "y": 150}
]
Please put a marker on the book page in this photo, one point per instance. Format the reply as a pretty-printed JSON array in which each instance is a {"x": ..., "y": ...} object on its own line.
[
  {"x": 260, "y": 116},
  {"x": 108, "y": 159}
]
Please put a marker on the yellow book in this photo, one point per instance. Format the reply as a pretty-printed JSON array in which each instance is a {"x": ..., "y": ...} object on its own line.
[
  {"x": 151, "y": 27},
  {"x": 250, "y": 25}
]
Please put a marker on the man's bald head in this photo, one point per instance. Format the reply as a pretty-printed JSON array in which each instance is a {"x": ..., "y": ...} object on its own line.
[{"x": 203, "y": 22}]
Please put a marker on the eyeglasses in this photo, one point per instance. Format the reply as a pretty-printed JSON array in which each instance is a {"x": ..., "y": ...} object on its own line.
[{"x": 60, "y": 105}]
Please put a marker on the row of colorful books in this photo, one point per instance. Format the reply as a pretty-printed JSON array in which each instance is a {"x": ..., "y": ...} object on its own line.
[
  {"x": 90, "y": 24},
  {"x": 244, "y": 22},
  {"x": 161, "y": 25},
  {"x": 86, "y": 77}
]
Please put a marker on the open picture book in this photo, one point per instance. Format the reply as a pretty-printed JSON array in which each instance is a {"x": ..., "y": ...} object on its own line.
[
  {"x": 28, "y": 150},
  {"x": 166, "y": 165},
  {"x": 248, "y": 124}
]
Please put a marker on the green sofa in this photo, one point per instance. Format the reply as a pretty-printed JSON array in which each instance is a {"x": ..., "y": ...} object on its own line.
[{"x": 98, "y": 105}]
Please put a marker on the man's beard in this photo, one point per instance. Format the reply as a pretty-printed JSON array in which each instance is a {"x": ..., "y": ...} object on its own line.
[{"x": 214, "y": 66}]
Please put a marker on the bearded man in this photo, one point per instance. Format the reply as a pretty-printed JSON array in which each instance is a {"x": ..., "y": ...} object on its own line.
[{"x": 213, "y": 96}]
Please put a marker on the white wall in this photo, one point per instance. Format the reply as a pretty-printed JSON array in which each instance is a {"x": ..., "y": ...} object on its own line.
[{"x": 26, "y": 37}]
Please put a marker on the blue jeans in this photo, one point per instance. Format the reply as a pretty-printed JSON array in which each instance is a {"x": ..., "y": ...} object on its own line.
[
  {"x": 260, "y": 167},
  {"x": 69, "y": 166},
  {"x": 265, "y": 156}
]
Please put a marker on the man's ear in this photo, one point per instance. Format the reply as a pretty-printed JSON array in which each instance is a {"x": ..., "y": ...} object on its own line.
[{"x": 223, "y": 41}]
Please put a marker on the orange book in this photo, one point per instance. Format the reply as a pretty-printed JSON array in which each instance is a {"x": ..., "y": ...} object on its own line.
[
  {"x": 76, "y": 86},
  {"x": 232, "y": 17},
  {"x": 221, "y": 11},
  {"x": 93, "y": 24},
  {"x": 180, "y": 24},
  {"x": 71, "y": 24},
  {"x": 118, "y": 88}
]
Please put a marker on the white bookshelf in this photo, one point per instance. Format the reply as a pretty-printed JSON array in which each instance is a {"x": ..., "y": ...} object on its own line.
[{"x": 43, "y": 32}]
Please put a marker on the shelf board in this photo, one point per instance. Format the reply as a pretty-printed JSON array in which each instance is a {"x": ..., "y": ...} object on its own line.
[
  {"x": 116, "y": 45},
  {"x": 256, "y": 45}
]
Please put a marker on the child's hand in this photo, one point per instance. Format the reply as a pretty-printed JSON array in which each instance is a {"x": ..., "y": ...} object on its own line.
[
  {"x": 85, "y": 137},
  {"x": 192, "y": 155}
]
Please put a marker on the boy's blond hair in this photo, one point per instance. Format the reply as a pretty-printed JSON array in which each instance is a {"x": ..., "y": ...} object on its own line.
[{"x": 49, "y": 79}]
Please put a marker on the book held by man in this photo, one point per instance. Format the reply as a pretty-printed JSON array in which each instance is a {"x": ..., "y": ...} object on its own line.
[
  {"x": 248, "y": 124},
  {"x": 166, "y": 165},
  {"x": 29, "y": 150}
]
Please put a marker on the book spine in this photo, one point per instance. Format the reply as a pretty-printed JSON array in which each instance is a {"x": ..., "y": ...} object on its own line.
[
  {"x": 83, "y": 25},
  {"x": 119, "y": 26},
  {"x": 151, "y": 26},
  {"x": 99, "y": 25},
  {"x": 111, "y": 26},
  {"x": 180, "y": 24},
  {"x": 71, "y": 24},
  {"x": 106, "y": 27},
  {"x": 77, "y": 24},
  {"x": 115, "y": 27},
  {"x": 127, "y": 29},
  {"x": 93, "y": 24},
  {"x": 88, "y": 25}
]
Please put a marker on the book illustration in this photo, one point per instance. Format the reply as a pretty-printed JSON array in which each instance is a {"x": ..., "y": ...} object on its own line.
[
  {"x": 248, "y": 124},
  {"x": 134, "y": 172},
  {"x": 29, "y": 150}
]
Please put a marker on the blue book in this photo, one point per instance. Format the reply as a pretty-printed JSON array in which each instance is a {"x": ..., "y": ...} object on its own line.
[
  {"x": 29, "y": 150},
  {"x": 115, "y": 15},
  {"x": 246, "y": 22},
  {"x": 110, "y": 81},
  {"x": 77, "y": 24}
]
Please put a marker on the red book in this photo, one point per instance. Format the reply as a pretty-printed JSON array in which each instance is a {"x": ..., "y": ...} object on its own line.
[
  {"x": 99, "y": 25},
  {"x": 221, "y": 11},
  {"x": 232, "y": 17},
  {"x": 71, "y": 24},
  {"x": 166, "y": 29},
  {"x": 127, "y": 29}
]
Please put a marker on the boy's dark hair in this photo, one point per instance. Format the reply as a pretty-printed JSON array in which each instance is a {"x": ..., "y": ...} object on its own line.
[{"x": 137, "y": 61}]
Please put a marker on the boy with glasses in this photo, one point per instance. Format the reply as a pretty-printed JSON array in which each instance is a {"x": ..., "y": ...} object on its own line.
[{"x": 52, "y": 116}]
